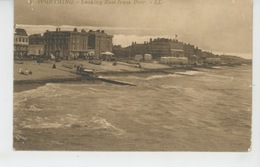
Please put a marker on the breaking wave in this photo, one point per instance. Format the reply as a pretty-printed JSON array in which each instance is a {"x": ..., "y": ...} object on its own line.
[
  {"x": 190, "y": 73},
  {"x": 161, "y": 76}
]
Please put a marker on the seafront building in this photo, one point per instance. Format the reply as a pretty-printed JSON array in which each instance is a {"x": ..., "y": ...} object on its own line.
[
  {"x": 36, "y": 45},
  {"x": 158, "y": 48},
  {"x": 189, "y": 50},
  {"x": 21, "y": 43},
  {"x": 63, "y": 44},
  {"x": 167, "y": 51},
  {"x": 99, "y": 42},
  {"x": 213, "y": 60},
  {"x": 66, "y": 44},
  {"x": 75, "y": 44},
  {"x": 161, "y": 47},
  {"x": 138, "y": 48},
  {"x": 197, "y": 52},
  {"x": 121, "y": 52}
]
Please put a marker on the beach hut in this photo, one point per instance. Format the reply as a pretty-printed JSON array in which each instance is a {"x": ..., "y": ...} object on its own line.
[
  {"x": 139, "y": 57},
  {"x": 215, "y": 60},
  {"x": 174, "y": 60},
  {"x": 148, "y": 57}
]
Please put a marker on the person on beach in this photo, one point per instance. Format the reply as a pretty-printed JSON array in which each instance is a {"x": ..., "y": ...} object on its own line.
[
  {"x": 26, "y": 72},
  {"x": 54, "y": 65},
  {"x": 80, "y": 69},
  {"x": 20, "y": 71},
  {"x": 30, "y": 72}
]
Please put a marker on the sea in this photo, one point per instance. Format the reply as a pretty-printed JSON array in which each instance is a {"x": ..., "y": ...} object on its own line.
[{"x": 198, "y": 110}]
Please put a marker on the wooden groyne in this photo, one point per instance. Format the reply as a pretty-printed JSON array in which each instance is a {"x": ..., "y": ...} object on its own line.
[{"x": 116, "y": 82}]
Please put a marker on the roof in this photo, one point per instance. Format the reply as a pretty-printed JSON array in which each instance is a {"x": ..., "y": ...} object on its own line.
[
  {"x": 98, "y": 32},
  {"x": 59, "y": 31},
  {"x": 107, "y": 53},
  {"x": 35, "y": 35},
  {"x": 20, "y": 31}
]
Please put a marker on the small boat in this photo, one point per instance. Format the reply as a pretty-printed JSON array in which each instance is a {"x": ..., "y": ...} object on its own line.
[
  {"x": 96, "y": 62},
  {"x": 87, "y": 72}
]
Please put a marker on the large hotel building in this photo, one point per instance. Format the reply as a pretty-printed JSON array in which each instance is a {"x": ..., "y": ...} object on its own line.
[{"x": 72, "y": 44}]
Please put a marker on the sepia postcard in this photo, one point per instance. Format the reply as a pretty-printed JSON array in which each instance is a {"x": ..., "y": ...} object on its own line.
[{"x": 132, "y": 75}]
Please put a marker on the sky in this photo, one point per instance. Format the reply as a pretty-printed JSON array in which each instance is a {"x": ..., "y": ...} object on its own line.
[{"x": 223, "y": 26}]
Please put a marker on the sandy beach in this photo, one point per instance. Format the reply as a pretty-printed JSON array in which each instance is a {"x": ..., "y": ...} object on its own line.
[{"x": 65, "y": 72}]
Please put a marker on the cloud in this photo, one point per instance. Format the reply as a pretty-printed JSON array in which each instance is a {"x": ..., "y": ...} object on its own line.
[{"x": 222, "y": 25}]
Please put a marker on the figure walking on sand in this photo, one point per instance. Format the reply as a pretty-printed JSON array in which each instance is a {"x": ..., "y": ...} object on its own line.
[
  {"x": 20, "y": 71},
  {"x": 26, "y": 72}
]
